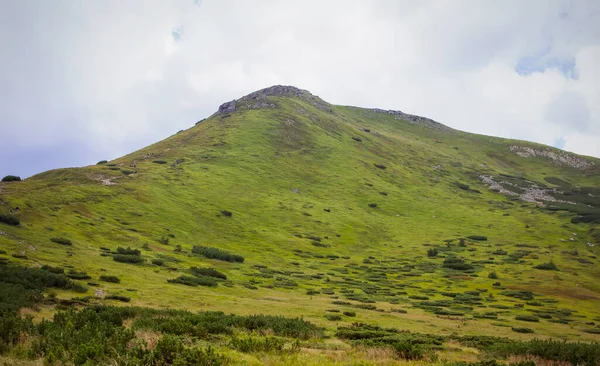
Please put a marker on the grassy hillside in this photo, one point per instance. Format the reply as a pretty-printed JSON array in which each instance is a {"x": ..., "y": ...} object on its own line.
[{"x": 398, "y": 219}]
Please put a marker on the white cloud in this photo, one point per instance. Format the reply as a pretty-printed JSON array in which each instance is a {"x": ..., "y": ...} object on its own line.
[{"x": 113, "y": 74}]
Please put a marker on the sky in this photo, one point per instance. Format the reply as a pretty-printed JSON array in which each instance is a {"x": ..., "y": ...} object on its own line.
[{"x": 83, "y": 81}]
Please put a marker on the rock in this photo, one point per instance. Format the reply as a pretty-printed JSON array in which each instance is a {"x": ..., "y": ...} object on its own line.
[{"x": 227, "y": 107}]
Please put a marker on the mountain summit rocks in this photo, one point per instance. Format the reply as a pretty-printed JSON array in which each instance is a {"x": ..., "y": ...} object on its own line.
[{"x": 260, "y": 99}]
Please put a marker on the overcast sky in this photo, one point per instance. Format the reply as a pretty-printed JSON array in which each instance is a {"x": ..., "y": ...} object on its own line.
[{"x": 82, "y": 81}]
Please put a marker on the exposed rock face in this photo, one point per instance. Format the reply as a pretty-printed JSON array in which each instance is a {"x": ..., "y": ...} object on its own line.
[
  {"x": 259, "y": 99},
  {"x": 559, "y": 157},
  {"x": 531, "y": 193},
  {"x": 414, "y": 119},
  {"x": 227, "y": 107}
]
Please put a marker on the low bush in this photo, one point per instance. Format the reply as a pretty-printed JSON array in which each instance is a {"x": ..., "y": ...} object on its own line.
[
  {"x": 209, "y": 272},
  {"x": 128, "y": 258},
  {"x": 493, "y": 275},
  {"x": 550, "y": 266},
  {"x": 380, "y": 166},
  {"x": 522, "y": 330},
  {"x": 118, "y": 298},
  {"x": 477, "y": 237},
  {"x": 76, "y": 275},
  {"x": 57, "y": 270},
  {"x": 458, "y": 264},
  {"x": 129, "y": 251},
  {"x": 214, "y": 253},
  {"x": 11, "y": 178},
  {"x": 108, "y": 278},
  {"x": 158, "y": 262},
  {"x": 226, "y": 213},
  {"x": 194, "y": 281},
  {"x": 61, "y": 241},
  {"x": 252, "y": 344},
  {"x": 433, "y": 252},
  {"x": 528, "y": 318},
  {"x": 159, "y": 161},
  {"x": 10, "y": 220},
  {"x": 349, "y": 313},
  {"x": 333, "y": 317},
  {"x": 102, "y": 162}
]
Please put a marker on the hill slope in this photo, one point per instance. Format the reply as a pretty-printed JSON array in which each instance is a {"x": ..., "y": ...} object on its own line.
[{"x": 380, "y": 212}]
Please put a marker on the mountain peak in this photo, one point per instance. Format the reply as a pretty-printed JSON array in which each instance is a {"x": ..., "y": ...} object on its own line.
[{"x": 260, "y": 99}]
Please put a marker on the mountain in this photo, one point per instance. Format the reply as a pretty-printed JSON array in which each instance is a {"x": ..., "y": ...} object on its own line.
[{"x": 299, "y": 206}]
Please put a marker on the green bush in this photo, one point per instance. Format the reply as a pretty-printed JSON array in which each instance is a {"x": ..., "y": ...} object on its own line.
[
  {"x": 250, "y": 344},
  {"x": 458, "y": 264},
  {"x": 108, "y": 278},
  {"x": 102, "y": 162},
  {"x": 129, "y": 251},
  {"x": 11, "y": 178},
  {"x": 118, "y": 297},
  {"x": 194, "y": 281},
  {"x": 333, "y": 317},
  {"x": 522, "y": 330},
  {"x": 550, "y": 266},
  {"x": 209, "y": 272},
  {"x": 433, "y": 252},
  {"x": 380, "y": 166},
  {"x": 214, "y": 253},
  {"x": 57, "y": 270},
  {"x": 493, "y": 275},
  {"x": 528, "y": 318},
  {"x": 127, "y": 258},
  {"x": 226, "y": 213},
  {"x": 349, "y": 313},
  {"x": 158, "y": 262},
  {"x": 76, "y": 275},
  {"x": 478, "y": 237},
  {"x": 159, "y": 161},
  {"x": 62, "y": 241},
  {"x": 10, "y": 220}
]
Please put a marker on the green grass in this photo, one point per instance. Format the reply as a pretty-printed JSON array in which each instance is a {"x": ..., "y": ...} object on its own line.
[{"x": 262, "y": 185}]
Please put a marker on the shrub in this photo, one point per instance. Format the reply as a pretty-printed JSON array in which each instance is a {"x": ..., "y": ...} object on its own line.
[
  {"x": 209, "y": 272},
  {"x": 333, "y": 317},
  {"x": 194, "y": 281},
  {"x": 127, "y": 258},
  {"x": 57, "y": 270},
  {"x": 129, "y": 251},
  {"x": 478, "y": 237},
  {"x": 62, "y": 241},
  {"x": 493, "y": 275},
  {"x": 349, "y": 313},
  {"x": 372, "y": 205},
  {"x": 9, "y": 220},
  {"x": 214, "y": 253},
  {"x": 159, "y": 161},
  {"x": 163, "y": 240},
  {"x": 500, "y": 252},
  {"x": 249, "y": 344},
  {"x": 118, "y": 297},
  {"x": 76, "y": 275},
  {"x": 432, "y": 252},
  {"x": 11, "y": 178},
  {"x": 158, "y": 262},
  {"x": 226, "y": 213},
  {"x": 522, "y": 330},
  {"x": 107, "y": 278},
  {"x": 550, "y": 266},
  {"x": 357, "y": 139},
  {"x": 528, "y": 318},
  {"x": 380, "y": 166},
  {"x": 456, "y": 264},
  {"x": 101, "y": 162}
]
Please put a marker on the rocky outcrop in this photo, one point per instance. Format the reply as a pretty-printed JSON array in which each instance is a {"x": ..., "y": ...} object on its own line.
[
  {"x": 411, "y": 118},
  {"x": 557, "y": 156},
  {"x": 260, "y": 99},
  {"x": 530, "y": 193}
]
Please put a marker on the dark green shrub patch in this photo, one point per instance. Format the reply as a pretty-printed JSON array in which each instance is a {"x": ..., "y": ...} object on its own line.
[
  {"x": 10, "y": 220},
  {"x": 102, "y": 162},
  {"x": 349, "y": 313},
  {"x": 528, "y": 318},
  {"x": 118, "y": 298},
  {"x": 226, "y": 213},
  {"x": 433, "y": 252},
  {"x": 57, "y": 270},
  {"x": 493, "y": 275},
  {"x": 333, "y": 317},
  {"x": 11, "y": 178},
  {"x": 252, "y": 344},
  {"x": 194, "y": 281},
  {"x": 127, "y": 258},
  {"x": 159, "y": 161},
  {"x": 500, "y": 252},
  {"x": 158, "y": 261},
  {"x": 380, "y": 166},
  {"x": 214, "y": 253},
  {"x": 522, "y": 330},
  {"x": 477, "y": 237},
  {"x": 129, "y": 251},
  {"x": 62, "y": 241},
  {"x": 76, "y": 275},
  {"x": 550, "y": 266},
  {"x": 208, "y": 272},
  {"x": 107, "y": 278},
  {"x": 523, "y": 295},
  {"x": 458, "y": 264}
]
